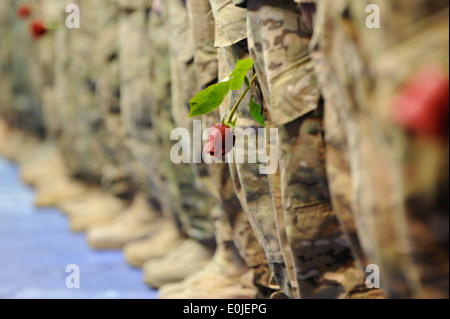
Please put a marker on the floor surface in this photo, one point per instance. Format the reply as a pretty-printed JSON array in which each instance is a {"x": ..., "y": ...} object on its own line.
[{"x": 37, "y": 248}]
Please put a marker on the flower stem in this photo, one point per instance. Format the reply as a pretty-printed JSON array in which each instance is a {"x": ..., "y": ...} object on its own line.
[{"x": 234, "y": 109}]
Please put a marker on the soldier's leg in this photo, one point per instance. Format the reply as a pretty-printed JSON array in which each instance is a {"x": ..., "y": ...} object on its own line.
[
  {"x": 221, "y": 278},
  {"x": 233, "y": 230},
  {"x": 118, "y": 93},
  {"x": 151, "y": 124},
  {"x": 189, "y": 206},
  {"x": 211, "y": 67},
  {"x": 230, "y": 34},
  {"x": 21, "y": 107},
  {"x": 376, "y": 150},
  {"x": 341, "y": 140},
  {"x": 410, "y": 167},
  {"x": 36, "y": 81},
  {"x": 6, "y": 96},
  {"x": 324, "y": 264},
  {"x": 82, "y": 140}
]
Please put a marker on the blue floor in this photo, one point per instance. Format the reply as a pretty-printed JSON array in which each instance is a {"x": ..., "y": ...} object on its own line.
[{"x": 36, "y": 246}]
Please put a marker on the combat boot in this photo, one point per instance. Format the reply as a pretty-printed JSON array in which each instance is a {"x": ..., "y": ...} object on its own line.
[
  {"x": 80, "y": 203},
  {"x": 4, "y": 131},
  {"x": 52, "y": 190},
  {"x": 42, "y": 164},
  {"x": 181, "y": 262},
  {"x": 220, "y": 279},
  {"x": 137, "y": 222},
  {"x": 101, "y": 209},
  {"x": 166, "y": 239},
  {"x": 16, "y": 145}
]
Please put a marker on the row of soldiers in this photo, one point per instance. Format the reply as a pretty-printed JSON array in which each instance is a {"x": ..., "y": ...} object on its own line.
[{"x": 362, "y": 140}]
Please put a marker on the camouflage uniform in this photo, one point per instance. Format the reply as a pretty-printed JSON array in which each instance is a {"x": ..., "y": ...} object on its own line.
[
  {"x": 80, "y": 115},
  {"x": 385, "y": 182},
  {"x": 232, "y": 222},
  {"x": 6, "y": 12},
  {"x": 87, "y": 99},
  {"x": 50, "y": 11},
  {"x": 314, "y": 243},
  {"x": 147, "y": 117},
  {"x": 117, "y": 171},
  {"x": 194, "y": 199},
  {"x": 24, "y": 109},
  {"x": 252, "y": 189},
  {"x": 135, "y": 97},
  {"x": 157, "y": 111}
]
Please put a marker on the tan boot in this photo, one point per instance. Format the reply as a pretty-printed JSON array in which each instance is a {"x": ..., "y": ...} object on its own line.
[
  {"x": 83, "y": 202},
  {"x": 178, "y": 264},
  {"x": 18, "y": 146},
  {"x": 220, "y": 279},
  {"x": 4, "y": 131},
  {"x": 10, "y": 142},
  {"x": 137, "y": 222},
  {"x": 166, "y": 239},
  {"x": 28, "y": 149},
  {"x": 52, "y": 191},
  {"x": 100, "y": 211},
  {"x": 42, "y": 164}
]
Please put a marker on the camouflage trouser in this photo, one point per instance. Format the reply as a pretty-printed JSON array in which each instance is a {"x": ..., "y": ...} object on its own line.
[
  {"x": 252, "y": 189},
  {"x": 80, "y": 116},
  {"x": 316, "y": 250},
  {"x": 238, "y": 193},
  {"x": 49, "y": 11},
  {"x": 6, "y": 43},
  {"x": 139, "y": 102},
  {"x": 158, "y": 110},
  {"x": 63, "y": 95},
  {"x": 194, "y": 197},
  {"x": 23, "y": 109},
  {"x": 81, "y": 94},
  {"x": 232, "y": 223},
  {"x": 397, "y": 213}
]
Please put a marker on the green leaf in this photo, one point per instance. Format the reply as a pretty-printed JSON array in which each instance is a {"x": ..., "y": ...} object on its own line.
[
  {"x": 247, "y": 81},
  {"x": 210, "y": 98},
  {"x": 239, "y": 73},
  {"x": 256, "y": 112}
]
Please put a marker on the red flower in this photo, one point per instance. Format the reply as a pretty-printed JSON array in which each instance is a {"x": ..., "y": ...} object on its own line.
[
  {"x": 422, "y": 107},
  {"x": 24, "y": 11},
  {"x": 38, "y": 29},
  {"x": 156, "y": 6},
  {"x": 220, "y": 136}
]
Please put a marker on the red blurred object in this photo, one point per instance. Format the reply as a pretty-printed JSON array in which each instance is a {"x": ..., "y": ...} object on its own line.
[
  {"x": 24, "y": 11},
  {"x": 422, "y": 106},
  {"x": 38, "y": 29},
  {"x": 156, "y": 6},
  {"x": 223, "y": 133}
]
